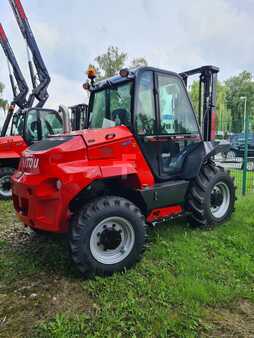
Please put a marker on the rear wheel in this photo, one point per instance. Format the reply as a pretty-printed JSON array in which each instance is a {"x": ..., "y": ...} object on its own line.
[
  {"x": 107, "y": 235},
  {"x": 39, "y": 232},
  {"x": 5, "y": 182},
  {"x": 212, "y": 197}
]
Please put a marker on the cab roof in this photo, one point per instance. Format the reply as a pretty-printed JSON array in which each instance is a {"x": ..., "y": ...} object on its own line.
[{"x": 133, "y": 73}]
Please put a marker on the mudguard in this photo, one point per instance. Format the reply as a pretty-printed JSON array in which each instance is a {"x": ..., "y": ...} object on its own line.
[
  {"x": 200, "y": 153},
  {"x": 213, "y": 148}
]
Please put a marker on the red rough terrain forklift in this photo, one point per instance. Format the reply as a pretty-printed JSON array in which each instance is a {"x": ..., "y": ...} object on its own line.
[
  {"x": 142, "y": 160},
  {"x": 29, "y": 124}
]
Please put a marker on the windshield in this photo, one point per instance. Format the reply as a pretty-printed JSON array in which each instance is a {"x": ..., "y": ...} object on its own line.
[
  {"x": 111, "y": 107},
  {"x": 41, "y": 123},
  {"x": 51, "y": 123}
]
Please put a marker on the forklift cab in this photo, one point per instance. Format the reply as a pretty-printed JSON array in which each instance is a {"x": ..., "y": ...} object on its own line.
[
  {"x": 155, "y": 106},
  {"x": 35, "y": 124}
]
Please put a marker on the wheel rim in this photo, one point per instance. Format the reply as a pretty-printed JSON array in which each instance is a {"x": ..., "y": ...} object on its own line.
[
  {"x": 250, "y": 166},
  {"x": 231, "y": 155},
  {"x": 5, "y": 186},
  {"x": 220, "y": 200},
  {"x": 112, "y": 240}
]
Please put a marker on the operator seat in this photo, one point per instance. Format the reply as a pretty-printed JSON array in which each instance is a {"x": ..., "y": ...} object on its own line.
[{"x": 176, "y": 163}]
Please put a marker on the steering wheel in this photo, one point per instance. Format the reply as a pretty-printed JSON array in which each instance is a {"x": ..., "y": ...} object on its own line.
[
  {"x": 148, "y": 124},
  {"x": 50, "y": 129},
  {"x": 122, "y": 115}
]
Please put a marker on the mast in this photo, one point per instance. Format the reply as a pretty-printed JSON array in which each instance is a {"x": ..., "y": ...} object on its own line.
[
  {"x": 18, "y": 83},
  {"x": 41, "y": 79}
]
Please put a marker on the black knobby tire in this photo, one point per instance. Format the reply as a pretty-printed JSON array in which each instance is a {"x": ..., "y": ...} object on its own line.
[
  {"x": 40, "y": 232},
  {"x": 199, "y": 202},
  {"x": 83, "y": 229},
  {"x": 5, "y": 182}
]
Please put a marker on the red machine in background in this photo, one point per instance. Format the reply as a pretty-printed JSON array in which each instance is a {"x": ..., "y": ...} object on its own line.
[
  {"x": 26, "y": 125},
  {"x": 23, "y": 126}
]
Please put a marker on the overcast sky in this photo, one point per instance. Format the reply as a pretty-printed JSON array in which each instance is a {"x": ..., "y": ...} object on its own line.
[{"x": 175, "y": 35}]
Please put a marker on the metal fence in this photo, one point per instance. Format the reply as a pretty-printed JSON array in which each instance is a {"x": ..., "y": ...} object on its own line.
[{"x": 240, "y": 157}]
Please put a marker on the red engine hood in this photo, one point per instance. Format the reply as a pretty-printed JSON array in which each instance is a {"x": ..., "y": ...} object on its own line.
[
  {"x": 98, "y": 136},
  {"x": 51, "y": 152},
  {"x": 74, "y": 147}
]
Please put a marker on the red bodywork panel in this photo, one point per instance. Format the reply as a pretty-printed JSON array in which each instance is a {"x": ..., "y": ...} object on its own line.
[
  {"x": 11, "y": 147},
  {"x": 48, "y": 180},
  {"x": 158, "y": 214},
  {"x": 213, "y": 126}
]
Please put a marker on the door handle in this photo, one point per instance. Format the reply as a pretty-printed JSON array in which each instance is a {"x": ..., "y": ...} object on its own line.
[{"x": 110, "y": 136}]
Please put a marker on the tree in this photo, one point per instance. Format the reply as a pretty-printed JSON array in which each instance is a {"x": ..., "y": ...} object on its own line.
[
  {"x": 238, "y": 86},
  {"x": 194, "y": 94},
  {"x": 109, "y": 63},
  {"x": 138, "y": 62},
  {"x": 223, "y": 116},
  {"x": 3, "y": 102}
]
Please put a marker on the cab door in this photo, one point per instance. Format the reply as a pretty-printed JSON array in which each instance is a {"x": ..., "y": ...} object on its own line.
[
  {"x": 165, "y": 122},
  {"x": 145, "y": 119},
  {"x": 178, "y": 129}
]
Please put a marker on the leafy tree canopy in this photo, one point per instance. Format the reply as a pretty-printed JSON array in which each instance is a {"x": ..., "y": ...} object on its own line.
[
  {"x": 3, "y": 102},
  {"x": 138, "y": 62},
  {"x": 230, "y": 108},
  {"x": 238, "y": 86},
  {"x": 109, "y": 63}
]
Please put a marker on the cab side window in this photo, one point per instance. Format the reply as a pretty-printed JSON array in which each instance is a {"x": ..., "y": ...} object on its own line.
[
  {"x": 51, "y": 123},
  {"x": 32, "y": 126},
  {"x": 99, "y": 110},
  {"x": 145, "y": 108}
]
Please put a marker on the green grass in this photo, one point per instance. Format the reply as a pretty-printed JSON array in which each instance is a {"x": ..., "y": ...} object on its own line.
[{"x": 190, "y": 283}]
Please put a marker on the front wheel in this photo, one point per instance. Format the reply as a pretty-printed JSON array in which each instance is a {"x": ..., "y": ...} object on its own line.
[
  {"x": 211, "y": 198},
  {"x": 250, "y": 166},
  {"x": 107, "y": 235},
  {"x": 5, "y": 182}
]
